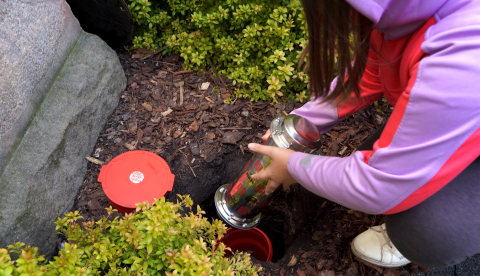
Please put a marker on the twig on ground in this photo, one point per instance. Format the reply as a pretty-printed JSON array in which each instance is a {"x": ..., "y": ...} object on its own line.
[
  {"x": 226, "y": 128},
  {"x": 151, "y": 55},
  {"x": 216, "y": 75},
  {"x": 182, "y": 72},
  {"x": 210, "y": 100},
  {"x": 164, "y": 62},
  {"x": 188, "y": 163},
  {"x": 94, "y": 160},
  {"x": 181, "y": 95}
]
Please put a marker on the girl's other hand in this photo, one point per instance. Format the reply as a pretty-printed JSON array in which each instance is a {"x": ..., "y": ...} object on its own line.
[
  {"x": 277, "y": 171},
  {"x": 266, "y": 136}
]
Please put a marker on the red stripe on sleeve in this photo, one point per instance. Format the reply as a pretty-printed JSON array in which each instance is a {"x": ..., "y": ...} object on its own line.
[
  {"x": 406, "y": 76},
  {"x": 463, "y": 157},
  {"x": 394, "y": 120}
]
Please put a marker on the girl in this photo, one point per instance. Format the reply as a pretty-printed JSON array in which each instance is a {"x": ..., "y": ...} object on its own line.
[{"x": 422, "y": 170}]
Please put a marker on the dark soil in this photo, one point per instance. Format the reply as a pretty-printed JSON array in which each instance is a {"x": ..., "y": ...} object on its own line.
[{"x": 204, "y": 140}]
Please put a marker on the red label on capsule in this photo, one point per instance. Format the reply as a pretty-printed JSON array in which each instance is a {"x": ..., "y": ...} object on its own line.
[{"x": 258, "y": 166}]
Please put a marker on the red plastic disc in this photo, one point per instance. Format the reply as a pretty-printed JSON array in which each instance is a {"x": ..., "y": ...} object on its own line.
[{"x": 134, "y": 177}]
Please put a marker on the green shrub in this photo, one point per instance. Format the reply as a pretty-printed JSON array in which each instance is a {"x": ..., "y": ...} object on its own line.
[
  {"x": 156, "y": 240},
  {"x": 255, "y": 43}
]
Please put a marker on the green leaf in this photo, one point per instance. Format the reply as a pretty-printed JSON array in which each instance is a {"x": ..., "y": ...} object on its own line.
[{"x": 8, "y": 271}]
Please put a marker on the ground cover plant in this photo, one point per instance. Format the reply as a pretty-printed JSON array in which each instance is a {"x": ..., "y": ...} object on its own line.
[
  {"x": 255, "y": 43},
  {"x": 156, "y": 240}
]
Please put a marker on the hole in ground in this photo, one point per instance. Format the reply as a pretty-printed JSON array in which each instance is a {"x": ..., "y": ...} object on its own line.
[
  {"x": 289, "y": 214},
  {"x": 282, "y": 220}
]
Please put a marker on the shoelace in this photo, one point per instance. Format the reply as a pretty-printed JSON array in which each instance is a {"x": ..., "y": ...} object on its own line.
[{"x": 383, "y": 231}]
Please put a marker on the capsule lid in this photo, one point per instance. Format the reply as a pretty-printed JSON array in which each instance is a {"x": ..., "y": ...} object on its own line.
[
  {"x": 302, "y": 131},
  {"x": 134, "y": 177}
]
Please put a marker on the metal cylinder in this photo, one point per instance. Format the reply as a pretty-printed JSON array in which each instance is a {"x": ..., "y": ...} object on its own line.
[{"x": 240, "y": 202}]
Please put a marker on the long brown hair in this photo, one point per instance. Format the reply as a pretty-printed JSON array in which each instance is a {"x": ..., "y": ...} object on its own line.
[{"x": 335, "y": 29}]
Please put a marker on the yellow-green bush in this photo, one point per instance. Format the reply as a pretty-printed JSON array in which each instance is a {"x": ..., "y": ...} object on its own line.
[
  {"x": 157, "y": 240},
  {"x": 252, "y": 42}
]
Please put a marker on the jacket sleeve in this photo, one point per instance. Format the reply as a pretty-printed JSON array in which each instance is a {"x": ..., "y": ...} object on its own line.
[
  {"x": 432, "y": 135},
  {"x": 326, "y": 116}
]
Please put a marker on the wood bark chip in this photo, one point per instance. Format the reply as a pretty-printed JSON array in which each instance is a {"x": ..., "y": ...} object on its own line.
[
  {"x": 162, "y": 74},
  {"x": 94, "y": 205},
  {"x": 232, "y": 137},
  {"x": 139, "y": 135},
  {"x": 132, "y": 127},
  {"x": 130, "y": 146},
  {"x": 210, "y": 135},
  {"x": 308, "y": 254},
  {"x": 157, "y": 96},
  {"x": 190, "y": 107},
  {"x": 320, "y": 264},
  {"x": 342, "y": 151},
  {"x": 326, "y": 273},
  {"x": 310, "y": 271},
  {"x": 300, "y": 273},
  {"x": 204, "y": 86},
  {"x": 165, "y": 113},
  {"x": 380, "y": 270},
  {"x": 147, "y": 107},
  {"x": 194, "y": 126},
  {"x": 156, "y": 118},
  {"x": 293, "y": 261},
  {"x": 177, "y": 133}
]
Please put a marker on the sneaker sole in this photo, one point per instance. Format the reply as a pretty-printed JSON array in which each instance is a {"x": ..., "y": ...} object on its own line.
[{"x": 375, "y": 262}]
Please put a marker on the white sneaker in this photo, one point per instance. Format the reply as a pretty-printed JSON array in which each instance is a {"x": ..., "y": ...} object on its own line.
[{"x": 374, "y": 246}]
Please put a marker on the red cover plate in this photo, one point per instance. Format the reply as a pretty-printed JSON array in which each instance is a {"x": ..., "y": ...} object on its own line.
[{"x": 134, "y": 177}]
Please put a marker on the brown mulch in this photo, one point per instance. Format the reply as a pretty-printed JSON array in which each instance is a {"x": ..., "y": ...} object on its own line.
[{"x": 165, "y": 110}]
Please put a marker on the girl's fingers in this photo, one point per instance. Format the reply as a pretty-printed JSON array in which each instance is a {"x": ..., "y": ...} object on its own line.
[
  {"x": 286, "y": 186},
  {"x": 271, "y": 187},
  {"x": 261, "y": 176},
  {"x": 265, "y": 150}
]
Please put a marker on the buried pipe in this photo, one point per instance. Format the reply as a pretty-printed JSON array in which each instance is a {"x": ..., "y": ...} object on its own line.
[{"x": 253, "y": 241}]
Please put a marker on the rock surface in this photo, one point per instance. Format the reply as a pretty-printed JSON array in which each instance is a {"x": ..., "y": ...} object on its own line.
[
  {"x": 58, "y": 87},
  {"x": 35, "y": 39}
]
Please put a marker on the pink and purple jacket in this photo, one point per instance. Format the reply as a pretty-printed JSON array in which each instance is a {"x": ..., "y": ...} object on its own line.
[{"x": 433, "y": 83}]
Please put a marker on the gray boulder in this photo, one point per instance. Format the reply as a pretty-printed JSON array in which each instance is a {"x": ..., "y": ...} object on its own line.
[{"x": 58, "y": 86}]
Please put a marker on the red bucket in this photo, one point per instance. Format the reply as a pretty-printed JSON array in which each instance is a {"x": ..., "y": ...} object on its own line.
[
  {"x": 253, "y": 241},
  {"x": 134, "y": 177}
]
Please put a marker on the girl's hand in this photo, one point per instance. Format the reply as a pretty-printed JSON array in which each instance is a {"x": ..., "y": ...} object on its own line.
[{"x": 277, "y": 171}]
